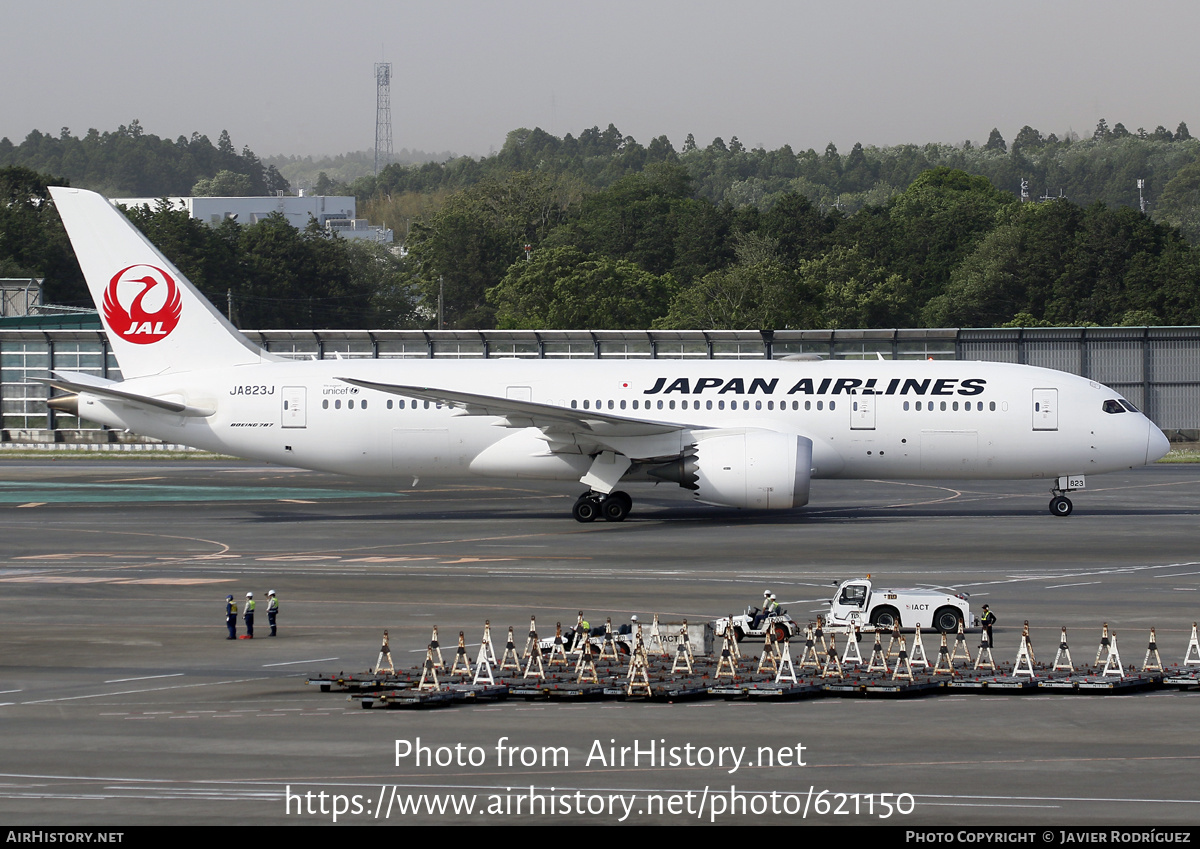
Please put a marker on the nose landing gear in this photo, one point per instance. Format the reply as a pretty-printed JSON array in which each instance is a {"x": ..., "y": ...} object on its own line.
[
  {"x": 614, "y": 507},
  {"x": 1060, "y": 505}
]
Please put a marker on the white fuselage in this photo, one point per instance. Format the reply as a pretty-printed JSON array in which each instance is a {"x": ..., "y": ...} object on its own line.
[{"x": 866, "y": 419}]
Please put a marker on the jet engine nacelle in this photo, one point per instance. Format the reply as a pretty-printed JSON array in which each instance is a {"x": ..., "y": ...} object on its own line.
[{"x": 759, "y": 469}]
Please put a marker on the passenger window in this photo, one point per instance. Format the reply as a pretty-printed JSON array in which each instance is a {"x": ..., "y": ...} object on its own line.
[
  {"x": 672, "y": 405},
  {"x": 660, "y": 404},
  {"x": 721, "y": 404},
  {"x": 955, "y": 405},
  {"x": 350, "y": 404},
  {"x": 325, "y": 404},
  {"x": 337, "y": 405},
  {"x": 708, "y": 405},
  {"x": 808, "y": 405},
  {"x": 906, "y": 405},
  {"x": 820, "y": 405},
  {"x": 943, "y": 406},
  {"x": 833, "y": 405},
  {"x": 992, "y": 406},
  {"x": 622, "y": 403},
  {"x": 758, "y": 405},
  {"x": 364, "y": 403}
]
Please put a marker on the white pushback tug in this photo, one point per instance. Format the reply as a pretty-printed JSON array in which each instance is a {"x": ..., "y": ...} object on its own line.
[{"x": 858, "y": 604}]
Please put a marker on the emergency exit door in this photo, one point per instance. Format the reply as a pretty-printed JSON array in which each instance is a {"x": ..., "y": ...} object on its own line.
[
  {"x": 862, "y": 412},
  {"x": 1045, "y": 409},
  {"x": 293, "y": 414}
]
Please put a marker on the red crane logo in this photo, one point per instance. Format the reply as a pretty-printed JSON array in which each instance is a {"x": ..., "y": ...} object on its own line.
[{"x": 142, "y": 304}]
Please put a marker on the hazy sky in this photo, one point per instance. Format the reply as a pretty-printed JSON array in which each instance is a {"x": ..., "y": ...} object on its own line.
[{"x": 297, "y": 77}]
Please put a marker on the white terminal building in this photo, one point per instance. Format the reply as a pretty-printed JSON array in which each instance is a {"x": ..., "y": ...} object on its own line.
[{"x": 336, "y": 214}]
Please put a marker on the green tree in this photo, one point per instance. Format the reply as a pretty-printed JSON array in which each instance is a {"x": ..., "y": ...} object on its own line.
[
  {"x": 937, "y": 222},
  {"x": 1179, "y": 203},
  {"x": 33, "y": 242},
  {"x": 760, "y": 296},
  {"x": 857, "y": 292},
  {"x": 566, "y": 288},
  {"x": 225, "y": 184}
]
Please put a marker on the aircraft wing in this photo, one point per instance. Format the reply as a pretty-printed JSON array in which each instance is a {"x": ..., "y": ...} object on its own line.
[{"x": 521, "y": 414}]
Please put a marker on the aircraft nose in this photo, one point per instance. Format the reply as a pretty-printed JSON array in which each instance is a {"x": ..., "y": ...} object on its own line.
[{"x": 1157, "y": 444}]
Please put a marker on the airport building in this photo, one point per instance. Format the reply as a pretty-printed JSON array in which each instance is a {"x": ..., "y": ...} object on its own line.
[{"x": 337, "y": 214}]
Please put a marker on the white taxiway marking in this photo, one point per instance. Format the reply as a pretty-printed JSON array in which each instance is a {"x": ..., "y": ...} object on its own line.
[
  {"x": 1082, "y": 584},
  {"x": 143, "y": 678},
  {"x": 293, "y": 662},
  {"x": 133, "y": 692}
]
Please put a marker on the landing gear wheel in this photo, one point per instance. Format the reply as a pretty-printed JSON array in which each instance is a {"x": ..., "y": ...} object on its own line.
[
  {"x": 1060, "y": 505},
  {"x": 586, "y": 509},
  {"x": 616, "y": 507}
]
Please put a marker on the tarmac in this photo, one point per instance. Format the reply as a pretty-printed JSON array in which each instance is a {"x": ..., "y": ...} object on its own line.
[{"x": 123, "y": 704}]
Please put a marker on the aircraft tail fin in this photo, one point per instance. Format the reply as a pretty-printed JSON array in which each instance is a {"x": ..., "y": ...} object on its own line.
[{"x": 157, "y": 322}]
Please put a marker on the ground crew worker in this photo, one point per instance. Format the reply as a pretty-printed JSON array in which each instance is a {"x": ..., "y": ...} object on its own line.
[
  {"x": 272, "y": 609},
  {"x": 762, "y": 614},
  {"x": 248, "y": 616},
  {"x": 987, "y": 619},
  {"x": 231, "y": 617}
]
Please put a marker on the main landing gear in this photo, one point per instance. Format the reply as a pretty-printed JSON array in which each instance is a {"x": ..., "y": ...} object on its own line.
[{"x": 614, "y": 507}]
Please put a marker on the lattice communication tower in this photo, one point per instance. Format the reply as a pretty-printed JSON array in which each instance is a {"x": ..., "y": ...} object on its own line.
[{"x": 383, "y": 114}]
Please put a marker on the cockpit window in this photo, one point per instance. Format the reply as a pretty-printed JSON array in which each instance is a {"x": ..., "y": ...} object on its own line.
[
  {"x": 1111, "y": 406},
  {"x": 1129, "y": 406}
]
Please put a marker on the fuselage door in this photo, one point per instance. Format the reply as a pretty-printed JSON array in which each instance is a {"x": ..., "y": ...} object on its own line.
[
  {"x": 1045, "y": 409},
  {"x": 862, "y": 412},
  {"x": 293, "y": 407}
]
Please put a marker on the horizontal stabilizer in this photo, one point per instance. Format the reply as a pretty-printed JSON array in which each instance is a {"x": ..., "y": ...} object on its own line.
[{"x": 106, "y": 390}]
